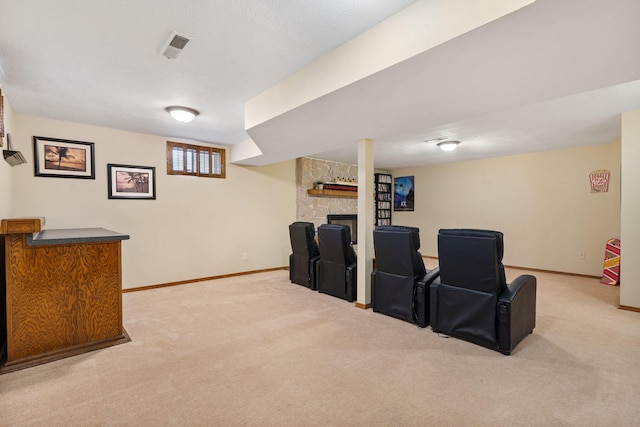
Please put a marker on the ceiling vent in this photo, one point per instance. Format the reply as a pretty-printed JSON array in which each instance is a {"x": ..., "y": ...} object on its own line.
[{"x": 174, "y": 45}]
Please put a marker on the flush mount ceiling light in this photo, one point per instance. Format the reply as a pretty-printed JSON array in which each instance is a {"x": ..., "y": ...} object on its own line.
[
  {"x": 182, "y": 114},
  {"x": 448, "y": 145},
  {"x": 445, "y": 143}
]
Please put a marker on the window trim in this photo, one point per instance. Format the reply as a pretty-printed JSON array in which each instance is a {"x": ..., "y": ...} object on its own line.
[{"x": 199, "y": 149}]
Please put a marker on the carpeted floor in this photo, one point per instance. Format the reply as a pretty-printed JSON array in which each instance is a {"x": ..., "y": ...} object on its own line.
[{"x": 259, "y": 351}]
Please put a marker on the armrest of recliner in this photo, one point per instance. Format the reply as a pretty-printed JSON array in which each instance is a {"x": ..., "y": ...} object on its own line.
[
  {"x": 429, "y": 277},
  {"x": 351, "y": 284},
  {"x": 421, "y": 297},
  {"x": 313, "y": 271},
  {"x": 516, "y": 312},
  {"x": 520, "y": 285},
  {"x": 432, "y": 302},
  {"x": 352, "y": 267},
  {"x": 290, "y": 266}
]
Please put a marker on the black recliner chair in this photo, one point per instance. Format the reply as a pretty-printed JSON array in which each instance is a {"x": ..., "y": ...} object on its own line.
[
  {"x": 471, "y": 299},
  {"x": 400, "y": 281},
  {"x": 302, "y": 262},
  {"x": 336, "y": 274}
]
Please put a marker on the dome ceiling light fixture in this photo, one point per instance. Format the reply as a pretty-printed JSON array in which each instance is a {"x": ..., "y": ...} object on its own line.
[
  {"x": 182, "y": 114},
  {"x": 449, "y": 145},
  {"x": 445, "y": 143}
]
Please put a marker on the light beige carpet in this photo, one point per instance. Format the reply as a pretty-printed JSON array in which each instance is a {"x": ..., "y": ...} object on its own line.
[{"x": 259, "y": 351}]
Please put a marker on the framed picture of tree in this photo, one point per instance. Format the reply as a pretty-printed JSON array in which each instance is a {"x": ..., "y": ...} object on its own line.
[
  {"x": 131, "y": 182},
  {"x": 63, "y": 158}
]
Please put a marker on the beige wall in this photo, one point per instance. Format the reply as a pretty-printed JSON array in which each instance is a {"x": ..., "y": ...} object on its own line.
[
  {"x": 630, "y": 216},
  {"x": 541, "y": 202},
  {"x": 5, "y": 168},
  {"x": 197, "y": 227}
]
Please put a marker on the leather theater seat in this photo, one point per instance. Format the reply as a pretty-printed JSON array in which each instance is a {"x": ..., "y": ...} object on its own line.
[
  {"x": 471, "y": 299},
  {"x": 336, "y": 274},
  {"x": 400, "y": 282},
  {"x": 305, "y": 254}
]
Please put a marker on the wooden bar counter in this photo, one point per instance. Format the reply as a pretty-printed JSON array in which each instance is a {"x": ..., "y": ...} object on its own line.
[{"x": 61, "y": 292}]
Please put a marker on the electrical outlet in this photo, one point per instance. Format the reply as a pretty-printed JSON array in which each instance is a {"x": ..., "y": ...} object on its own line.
[
  {"x": 245, "y": 256},
  {"x": 581, "y": 255}
]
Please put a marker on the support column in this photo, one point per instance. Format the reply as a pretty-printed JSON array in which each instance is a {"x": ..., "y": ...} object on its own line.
[
  {"x": 365, "y": 222},
  {"x": 629, "y": 212}
]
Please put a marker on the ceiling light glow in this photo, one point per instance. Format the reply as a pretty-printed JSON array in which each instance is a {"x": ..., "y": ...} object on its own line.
[
  {"x": 182, "y": 114},
  {"x": 448, "y": 145}
]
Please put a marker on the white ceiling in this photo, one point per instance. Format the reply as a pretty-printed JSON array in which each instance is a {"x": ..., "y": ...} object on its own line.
[
  {"x": 554, "y": 74},
  {"x": 99, "y": 62}
]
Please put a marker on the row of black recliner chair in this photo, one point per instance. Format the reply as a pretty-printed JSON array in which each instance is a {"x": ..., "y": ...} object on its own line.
[
  {"x": 466, "y": 296},
  {"x": 328, "y": 265}
]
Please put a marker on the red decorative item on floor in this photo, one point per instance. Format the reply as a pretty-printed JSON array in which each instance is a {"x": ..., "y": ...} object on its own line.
[{"x": 611, "y": 273}]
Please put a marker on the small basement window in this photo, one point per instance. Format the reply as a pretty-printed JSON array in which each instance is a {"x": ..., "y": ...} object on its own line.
[{"x": 196, "y": 160}]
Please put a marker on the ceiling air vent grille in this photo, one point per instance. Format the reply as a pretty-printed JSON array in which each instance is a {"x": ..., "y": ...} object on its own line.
[{"x": 174, "y": 45}]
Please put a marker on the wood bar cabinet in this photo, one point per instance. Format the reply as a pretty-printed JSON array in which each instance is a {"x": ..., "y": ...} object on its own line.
[{"x": 61, "y": 292}]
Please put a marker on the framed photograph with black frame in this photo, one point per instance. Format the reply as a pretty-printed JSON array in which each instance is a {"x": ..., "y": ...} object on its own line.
[
  {"x": 63, "y": 158},
  {"x": 131, "y": 182},
  {"x": 1, "y": 117},
  {"x": 403, "y": 194}
]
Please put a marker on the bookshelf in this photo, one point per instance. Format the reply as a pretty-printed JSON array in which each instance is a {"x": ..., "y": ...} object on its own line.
[{"x": 383, "y": 201}]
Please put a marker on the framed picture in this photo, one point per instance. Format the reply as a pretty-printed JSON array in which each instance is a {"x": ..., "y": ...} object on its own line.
[
  {"x": 403, "y": 194},
  {"x": 131, "y": 182},
  {"x": 599, "y": 181},
  {"x": 1, "y": 117},
  {"x": 63, "y": 158}
]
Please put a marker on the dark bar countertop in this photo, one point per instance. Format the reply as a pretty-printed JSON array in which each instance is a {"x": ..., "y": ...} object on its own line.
[{"x": 74, "y": 235}]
